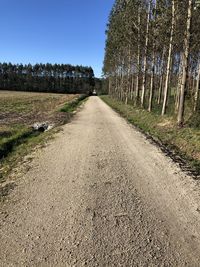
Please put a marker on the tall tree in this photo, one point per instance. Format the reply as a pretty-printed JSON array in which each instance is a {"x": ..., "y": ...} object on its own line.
[
  {"x": 169, "y": 59},
  {"x": 145, "y": 55},
  {"x": 185, "y": 64}
]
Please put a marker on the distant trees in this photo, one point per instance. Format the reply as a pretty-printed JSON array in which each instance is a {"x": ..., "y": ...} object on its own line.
[
  {"x": 61, "y": 78},
  {"x": 152, "y": 55}
]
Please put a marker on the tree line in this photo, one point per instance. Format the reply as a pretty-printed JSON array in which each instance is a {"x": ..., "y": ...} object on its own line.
[
  {"x": 57, "y": 78},
  {"x": 152, "y": 55}
]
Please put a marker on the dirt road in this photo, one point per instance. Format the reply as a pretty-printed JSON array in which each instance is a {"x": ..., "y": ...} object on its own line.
[{"x": 101, "y": 195}]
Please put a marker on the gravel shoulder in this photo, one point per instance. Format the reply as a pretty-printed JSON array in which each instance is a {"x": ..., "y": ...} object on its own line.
[{"x": 101, "y": 194}]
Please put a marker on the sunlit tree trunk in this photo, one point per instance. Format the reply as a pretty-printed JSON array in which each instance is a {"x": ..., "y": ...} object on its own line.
[
  {"x": 138, "y": 57},
  {"x": 180, "y": 118},
  {"x": 196, "y": 95},
  {"x": 145, "y": 56},
  {"x": 178, "y": 85},
  {"x": 169, "y": 59},
  {"x": 161, "y": 77},
  {"x": 152, "y": 81}
]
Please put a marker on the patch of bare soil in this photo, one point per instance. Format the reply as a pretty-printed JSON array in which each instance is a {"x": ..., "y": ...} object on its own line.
[
  {"x": 28, "y": 108},
  {"x": 29, "y": 119}
]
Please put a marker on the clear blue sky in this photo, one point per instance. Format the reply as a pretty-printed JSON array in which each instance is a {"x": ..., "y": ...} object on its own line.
[{"x": 54, "y": 31}]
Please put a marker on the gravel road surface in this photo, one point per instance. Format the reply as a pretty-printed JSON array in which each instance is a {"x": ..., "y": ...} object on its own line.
[{"x": 100, "y": 194}]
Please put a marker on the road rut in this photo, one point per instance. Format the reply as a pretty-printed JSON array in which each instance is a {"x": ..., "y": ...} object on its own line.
[{"x": 101, "y": 194}]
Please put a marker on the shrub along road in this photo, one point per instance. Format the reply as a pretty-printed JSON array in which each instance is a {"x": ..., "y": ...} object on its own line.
[{"x": 101, "y": 195}]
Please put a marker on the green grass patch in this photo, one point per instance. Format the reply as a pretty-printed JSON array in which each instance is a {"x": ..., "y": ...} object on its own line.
[
  {"x": 23, "y": 147},
  {"x": 183, "y": 141},
  {"x": 74, "y": 104},
  {"x": 13, "y": 138}
]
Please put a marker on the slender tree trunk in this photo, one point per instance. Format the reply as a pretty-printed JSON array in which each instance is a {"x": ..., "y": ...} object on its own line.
[
  {"x": 180, "y": 118},
  {"x": 116, "y": 83},
  {"x": 122, "y": 82},
  {"x": 128, "y": 87},
  {"x": 196, "y": 95},
  {"x": 160, "y": 88},
  {"x": 152, "y": 83},
  {"x": 169, "y": 60},
  {"x": 132, "y": 86},
  {"x": 152, "y": 80},
  {"x": 138, "y": 58},
  {"x": 194, "y": 82},
  {"x": 145, "y": 56},
  {"x": 109, "y": 85},
  {"x": 179, "y": 85},
  {"x": 161, "y": 77}
]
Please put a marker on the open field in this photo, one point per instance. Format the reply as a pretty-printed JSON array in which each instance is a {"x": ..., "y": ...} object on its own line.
[
  {"x": 27, "y": 108},
  {"x": 184, "y": 142},
  {"x": 19, "y": 111}
]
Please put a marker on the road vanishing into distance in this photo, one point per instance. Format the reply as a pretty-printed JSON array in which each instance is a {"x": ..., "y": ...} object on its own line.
[{"x": 100, "y": 194}]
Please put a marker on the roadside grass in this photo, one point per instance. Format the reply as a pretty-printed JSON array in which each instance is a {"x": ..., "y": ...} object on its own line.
[
  {"x": 23, "y": 148},
  {"x": 12, "y": 138},
  {"x": 74, "y": 104},
  {"x": 184, "y": 142},
  {"x": 18, "y": 112}
]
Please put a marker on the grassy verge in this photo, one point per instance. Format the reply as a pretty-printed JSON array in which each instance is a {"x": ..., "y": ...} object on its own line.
[
  {"x": 19, "y": 139},
  {"x": 22, "y": 147},
  {"x": 74, "y": 104},
  {"x": 181, "y": 142},
  {"x": 14, "y": 137}
]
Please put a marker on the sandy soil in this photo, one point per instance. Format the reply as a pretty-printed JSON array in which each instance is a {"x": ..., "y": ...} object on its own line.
[{"x": 101, "y": 195}]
